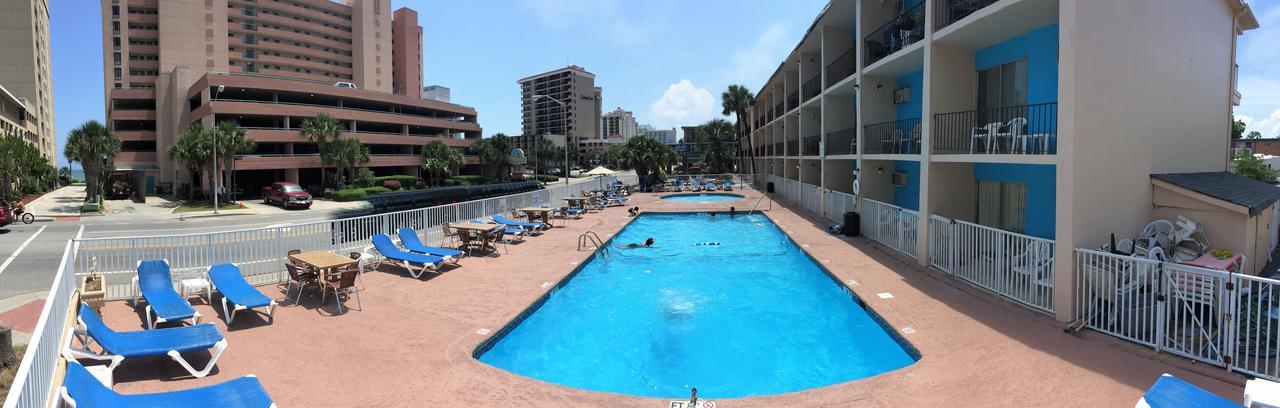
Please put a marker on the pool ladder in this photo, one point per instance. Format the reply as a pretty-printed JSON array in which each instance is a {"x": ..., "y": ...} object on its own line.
[
  {"x": 591, "y": 239},
  {"x": 762, "y": 197}
]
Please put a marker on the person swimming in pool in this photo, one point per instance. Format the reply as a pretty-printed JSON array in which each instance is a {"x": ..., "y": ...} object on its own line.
[
  {"x": 732, "y": 212},
  {"x": 647, "y": 243}
]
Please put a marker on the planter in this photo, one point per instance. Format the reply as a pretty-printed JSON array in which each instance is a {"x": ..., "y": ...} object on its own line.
[{"x": 93, "y": 292}]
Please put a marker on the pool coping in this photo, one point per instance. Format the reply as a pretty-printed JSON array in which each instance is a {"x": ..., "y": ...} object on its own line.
[{"x": 494, "y": 337}]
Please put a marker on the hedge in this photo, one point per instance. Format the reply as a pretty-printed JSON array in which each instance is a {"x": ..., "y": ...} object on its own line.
[
  {"x": 473, "y": 180},
  {"x": 376, "y": 190},
  {"x": 546, "y": 178},
  {"x": 404, "y": 180},
  {"x": 354, "y": 194}
]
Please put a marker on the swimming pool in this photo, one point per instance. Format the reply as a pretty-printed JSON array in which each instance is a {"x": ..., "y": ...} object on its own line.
[
  {"x": 702, "y": 197},
  {"x": 750, "y": 316}
]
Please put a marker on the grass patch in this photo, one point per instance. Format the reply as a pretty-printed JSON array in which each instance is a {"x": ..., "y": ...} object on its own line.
[
  {"x": 204, "y": 206},
  {"x": 7, "y": 373}
]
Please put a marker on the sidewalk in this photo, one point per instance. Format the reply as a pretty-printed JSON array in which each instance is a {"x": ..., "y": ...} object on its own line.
[
  {"x": 63, "y": 202},
  {"x": 22, "y": 312}
]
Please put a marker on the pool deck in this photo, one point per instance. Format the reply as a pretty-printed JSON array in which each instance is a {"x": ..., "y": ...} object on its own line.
[{"x": 412, "y": 343}]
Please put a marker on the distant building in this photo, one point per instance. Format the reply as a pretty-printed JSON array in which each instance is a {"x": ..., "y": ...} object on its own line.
[
  {"x": 435, "y": 93},
  {"x": 668, "y": 136},
  {"x": 578, "y": 118},
  {"x": 1267, "y": 146},
  {"x": 26, "y": 73},
  {"x": 690, "y": 134},
  {"x": 619, "y": 123}
]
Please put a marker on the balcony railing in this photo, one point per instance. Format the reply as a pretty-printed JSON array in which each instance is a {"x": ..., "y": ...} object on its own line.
[
  {"x": 897, "y": 137},
  {"x": 842, "y": 142},
  {"x": 841, "y": 68},
  {"x": 901, "y": 31},
  {"x": 950, "y": 11},
  {"x": 812, "y": 87},
  {"x": 793, "y": 100},
  {"x": 793, "y": 147},
  {"x": 813, "y": 145},
  {"x": 1024, "y": 129}
]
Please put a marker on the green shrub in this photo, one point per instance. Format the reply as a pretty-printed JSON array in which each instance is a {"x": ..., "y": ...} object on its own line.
[
  {"x": 449, "y": 182},
  {"x": 364, "y": 177},
  {"x": 393, "y": 185},
  {"x": 473, "y": 180},
  {"x": 546, "y": 178},
  {"x": 375, "y": 190},
  {"x": 353, "y": 194},
  {"x": 405, "y": 181}
]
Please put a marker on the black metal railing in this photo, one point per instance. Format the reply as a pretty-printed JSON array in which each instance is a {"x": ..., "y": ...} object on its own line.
[
  {"x": 812, "y": 87},
  {"x": 842, "y": 142},
  {"x": 896, "y": 137},
  {"x": 841, "y": 68},
  {"x": 950, "y": 11},
  {"x": 793, "y": 100},
  {"x": 1024, "y": 129},
  {"x": 812, "y": 145},
  {"x": 901, "y": 31},
  {"x": 793, "y": 147}
]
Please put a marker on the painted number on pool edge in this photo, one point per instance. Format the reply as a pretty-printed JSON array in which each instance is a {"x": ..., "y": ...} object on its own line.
[{"x": 685, "y": 404}]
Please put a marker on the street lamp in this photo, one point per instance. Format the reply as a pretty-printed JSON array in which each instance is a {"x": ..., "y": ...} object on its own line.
[
  {"x": 215, "y": 154},
  {"x": 563, "y": 118}
]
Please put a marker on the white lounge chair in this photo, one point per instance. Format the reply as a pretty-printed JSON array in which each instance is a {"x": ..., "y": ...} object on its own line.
[{"x": 986, "y": 135}]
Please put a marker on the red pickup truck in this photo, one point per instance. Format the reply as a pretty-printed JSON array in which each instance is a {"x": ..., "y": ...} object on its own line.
[{"x": 287, "y": 195}]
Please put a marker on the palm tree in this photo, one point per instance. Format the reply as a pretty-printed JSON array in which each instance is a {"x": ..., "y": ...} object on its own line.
[
  {"x": 320, "y": 130},
  {"x": 231, "y": 142},
  {"x": 735, "y": 101},
  {"x": 438, "y": 158},
  {"x": 648, "y": 156},
  {"x": 546, "y": 152},
  {"x": 347, "y": 154},
  {"x": 194, "y": 151},
  {"x": 94, "y": 147},
  {"x": 485, "y": 151},
  {"x": 501, "y": 155},
  {"x": 717, "y": 150}
]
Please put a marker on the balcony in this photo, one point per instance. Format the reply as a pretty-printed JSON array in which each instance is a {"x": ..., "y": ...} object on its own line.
[
  {"x": 793, "y": 101},
  {"x": 777, "y": 111},
  {"x": 950, "y": 11},
  {"x": 793, "y": 147},
  {"x": 841, "y": 68},
  {"x": 896, "y": 137},
  {"x": 842, "y": 142},
  {"x": 812, "y": 145},
  {"x": 901, "y": 31},
  {"x": 812, "y": 87},
  {"x": 1024, "y": 129}
]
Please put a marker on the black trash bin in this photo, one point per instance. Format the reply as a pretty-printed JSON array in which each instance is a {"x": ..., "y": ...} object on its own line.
[
  {"x": 768, "y": 187},
  {"x": 852, "y": 224}
]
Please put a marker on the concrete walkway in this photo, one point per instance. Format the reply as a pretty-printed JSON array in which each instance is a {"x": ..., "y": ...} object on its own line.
[{"x": 63, "y": 202}]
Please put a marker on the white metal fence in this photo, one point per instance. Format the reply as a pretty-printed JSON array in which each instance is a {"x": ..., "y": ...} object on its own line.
[
  {"x": 839, "y": 203},
  {"x": 1221, "y": 318},
  {"x": 33, "y": 383},
  {"x": 890, "y": 225},
  {"x": 1016, "y": 266},
  {"x": 811, "y": 197}
]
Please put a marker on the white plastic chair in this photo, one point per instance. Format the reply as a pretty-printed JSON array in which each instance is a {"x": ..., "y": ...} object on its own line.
[
  {"x": 986, "y": 135},
  {"x": 1017, "y": 134}
]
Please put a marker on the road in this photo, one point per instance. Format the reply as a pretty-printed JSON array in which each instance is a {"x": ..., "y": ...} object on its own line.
[{"x": 29, "y": 254}]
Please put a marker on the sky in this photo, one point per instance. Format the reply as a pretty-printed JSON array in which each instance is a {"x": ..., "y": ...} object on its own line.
[{"x": 665, "y": 60}]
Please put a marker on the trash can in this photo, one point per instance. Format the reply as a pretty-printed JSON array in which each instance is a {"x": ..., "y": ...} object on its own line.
[
  {"x": 852, "y": 224},
  {"x": 768, "y": 187}
]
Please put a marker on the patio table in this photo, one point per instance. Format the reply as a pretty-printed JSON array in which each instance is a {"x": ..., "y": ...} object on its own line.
[
  {"x": 324, "y": 263},
  {"x": 541, "y": 213},
  {"x": 485, "y": 231}
]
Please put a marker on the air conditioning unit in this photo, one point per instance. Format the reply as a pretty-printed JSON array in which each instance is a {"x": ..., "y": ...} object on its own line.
[{"x": 899, "y": 179}]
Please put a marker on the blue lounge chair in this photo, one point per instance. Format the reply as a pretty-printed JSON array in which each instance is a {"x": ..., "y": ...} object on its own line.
[
  {"x": 416, "y": 264},
  {"x": 710, "y": 185},
  {"x": 679, "y": 185},
  {"x": 728, "y": 185},
  {"x": 172, "y": 342},
  {"x": 156, "y": 284},
  {"x": 517, "y": 232},
  {"x": 531, "y": 226},
  {"x": 409, "y": 238},
  {"x": 80, "y": 388},
  {"x": 1170, "y": 392},
  {"x": 227, "y": 279}
]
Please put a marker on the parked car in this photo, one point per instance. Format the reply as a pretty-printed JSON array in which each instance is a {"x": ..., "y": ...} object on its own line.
[
  {"x": 351, "y": 85},
  {"x": 286, "y": 195},
  {"x": 6, "y": 213}
]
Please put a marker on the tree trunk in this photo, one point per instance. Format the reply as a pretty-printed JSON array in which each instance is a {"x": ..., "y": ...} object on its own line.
[{"x": 7, "y": 356}]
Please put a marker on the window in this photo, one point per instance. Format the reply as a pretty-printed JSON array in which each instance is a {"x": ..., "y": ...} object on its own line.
[
  {"x": 248, "y": 12},
  {"x": 1002, "y": 205},
  {"x": 116, "y": 57},
  {"x": 1002, "y": 86},
  {"x": 115, "y": 26},
  {"x": 250, "y": 54}
]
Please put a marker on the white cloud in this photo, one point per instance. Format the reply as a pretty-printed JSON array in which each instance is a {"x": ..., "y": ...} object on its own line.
[
  {"x": 596, "y": 17},
  {"x": 1268, "y": 127},
  {"x": 683, "y": 104},
  {"x": 754, "y": 63}
]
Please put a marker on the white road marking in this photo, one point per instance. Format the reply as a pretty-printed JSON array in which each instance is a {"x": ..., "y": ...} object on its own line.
[
  {"x": 6, "y": 263},
  {"x": 80, "y": 233}
]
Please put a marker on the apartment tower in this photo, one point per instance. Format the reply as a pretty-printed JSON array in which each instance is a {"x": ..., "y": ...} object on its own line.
[
  {"x": 567, "y": 103},
  {"x": 268, "y": 66},
  {"x": 619, "y": 124},
  {"x": 26, "y": 73}
]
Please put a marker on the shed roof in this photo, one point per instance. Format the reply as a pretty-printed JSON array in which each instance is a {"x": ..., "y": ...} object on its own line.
[{"x": 1230, "y": 187}]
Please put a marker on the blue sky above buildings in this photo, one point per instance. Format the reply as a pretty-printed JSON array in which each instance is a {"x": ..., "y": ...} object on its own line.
[{"x": 665, "y": 60}]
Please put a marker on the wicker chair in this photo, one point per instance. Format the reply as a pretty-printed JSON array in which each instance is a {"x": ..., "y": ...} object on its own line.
[
  {"x": 300, "y": 275},
  {"x": 343, "y": 284}
]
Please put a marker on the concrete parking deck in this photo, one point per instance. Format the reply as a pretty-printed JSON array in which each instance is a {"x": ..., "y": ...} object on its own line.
[{"x": 412, "y": 344}]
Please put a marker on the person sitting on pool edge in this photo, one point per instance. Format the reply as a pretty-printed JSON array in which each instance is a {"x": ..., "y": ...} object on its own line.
[
  {"x": 647, "y": 243},
  {"x": 633, "y": 211}
]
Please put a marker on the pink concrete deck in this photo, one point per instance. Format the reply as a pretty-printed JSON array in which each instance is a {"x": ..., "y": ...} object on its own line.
[{"x": 412, "y": 344}]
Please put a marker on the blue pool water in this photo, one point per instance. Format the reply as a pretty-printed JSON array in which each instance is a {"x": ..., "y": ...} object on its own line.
[
  {"x": 702, "y": 197},
  {"x": 751, "y": 316}
]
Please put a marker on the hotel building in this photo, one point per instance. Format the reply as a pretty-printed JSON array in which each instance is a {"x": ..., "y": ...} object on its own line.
[
  {"x": 571, "y": 106},
  {"x": 26, "y": 76},
  {"x": 969, "y": 124},
  {"x": 268, "y": 66}
]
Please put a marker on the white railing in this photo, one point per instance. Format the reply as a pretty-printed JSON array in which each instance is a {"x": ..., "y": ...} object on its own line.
[
  {"x": 260, "y": 252},
  {"x": 890, "y": 225},
  {"x": 1016, "y": 266},
  {"x": 1216, "y": 317},
  {"x": 811, "y": 197},
  {"x": 33, "y": 383},
  {"x": 839, "y": 203}
]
